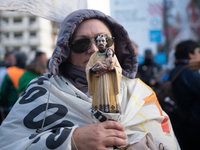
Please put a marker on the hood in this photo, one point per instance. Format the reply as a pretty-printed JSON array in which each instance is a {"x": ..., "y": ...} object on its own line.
[{"x": 123, "y": 47}]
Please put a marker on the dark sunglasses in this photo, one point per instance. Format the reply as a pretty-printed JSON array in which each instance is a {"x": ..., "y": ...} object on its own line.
[{"x": 82, "y": 45}]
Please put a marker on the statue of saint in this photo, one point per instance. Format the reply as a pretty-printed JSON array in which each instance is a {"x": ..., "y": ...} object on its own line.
[{"x": 103, "y": 75}]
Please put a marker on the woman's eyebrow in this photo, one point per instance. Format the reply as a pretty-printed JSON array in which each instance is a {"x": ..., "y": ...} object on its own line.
[
  {"x": 87, "y": 36},
  {"x": 81, "y": 36}
]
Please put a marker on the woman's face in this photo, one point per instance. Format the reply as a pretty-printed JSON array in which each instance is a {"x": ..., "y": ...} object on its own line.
[{"x": 87, "y": 29}]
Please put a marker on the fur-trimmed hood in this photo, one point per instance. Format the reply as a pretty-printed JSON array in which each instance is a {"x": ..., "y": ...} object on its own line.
[{"x": 123, "y": 47}]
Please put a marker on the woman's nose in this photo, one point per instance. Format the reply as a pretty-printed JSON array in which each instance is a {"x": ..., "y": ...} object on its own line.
[{"x": 93, "y": 48}]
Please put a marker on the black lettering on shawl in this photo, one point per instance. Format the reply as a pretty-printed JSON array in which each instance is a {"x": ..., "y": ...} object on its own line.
[
  {"x": 38, "y": 92},
  {"x": 53, "y": 143},
  {"x": 40, "y": 81},
  {"x": 29, "y": 118}
]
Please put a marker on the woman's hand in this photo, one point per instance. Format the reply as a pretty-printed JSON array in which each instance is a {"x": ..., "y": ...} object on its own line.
[{"x": 100, "y": 135}]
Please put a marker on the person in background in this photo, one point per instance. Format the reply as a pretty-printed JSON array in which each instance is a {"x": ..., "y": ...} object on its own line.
[
  {"x": 9, "y": 60},
  {"x": 41, "y": 57},
  {"x": 149, "y": 71},
  {"x": 54, "y": 112},
  {"x": 32, "y": 70},
  {"x": 8, "y": 93},
  {"x": 187, "y": 91}
]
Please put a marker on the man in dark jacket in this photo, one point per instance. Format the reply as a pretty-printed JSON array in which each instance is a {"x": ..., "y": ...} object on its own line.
[{"x": 187, "y": 91}]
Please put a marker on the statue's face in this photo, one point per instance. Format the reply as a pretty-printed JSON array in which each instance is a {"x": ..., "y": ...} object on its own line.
[
  {"x": 101, "y": 42},
  {"x": 109, "y": 52}
]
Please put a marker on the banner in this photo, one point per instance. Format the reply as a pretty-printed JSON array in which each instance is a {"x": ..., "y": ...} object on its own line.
[{"x": 54, "y": 10}]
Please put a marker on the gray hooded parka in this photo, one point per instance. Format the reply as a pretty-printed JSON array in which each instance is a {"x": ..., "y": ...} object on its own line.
[{"x": 123, "y": 47}]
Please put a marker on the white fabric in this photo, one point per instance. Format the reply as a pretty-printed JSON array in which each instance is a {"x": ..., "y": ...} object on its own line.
[
  {"x": 74, "y": 107},
  {"x": 54, "y": 10}
]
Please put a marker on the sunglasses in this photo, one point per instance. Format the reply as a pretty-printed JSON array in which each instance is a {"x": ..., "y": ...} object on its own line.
[{"x": 82, "y": 45}]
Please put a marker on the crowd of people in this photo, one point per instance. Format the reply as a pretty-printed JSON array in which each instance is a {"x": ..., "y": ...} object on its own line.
[
  {"x": 27, "y": 91},
  {"x": 185, "y": 88},
  {"x": 16, "y": 74}
]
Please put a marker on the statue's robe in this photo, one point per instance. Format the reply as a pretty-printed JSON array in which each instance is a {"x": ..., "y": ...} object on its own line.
[{"x": 104, "y": 89}]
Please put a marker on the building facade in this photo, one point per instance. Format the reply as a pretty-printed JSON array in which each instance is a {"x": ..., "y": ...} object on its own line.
[{"x": 27, "y": 33}]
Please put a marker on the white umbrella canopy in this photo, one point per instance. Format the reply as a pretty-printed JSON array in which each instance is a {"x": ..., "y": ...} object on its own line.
[{"x": 54, "y": 10}]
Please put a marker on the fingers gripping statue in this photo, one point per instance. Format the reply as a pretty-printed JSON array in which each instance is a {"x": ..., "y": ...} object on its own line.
[{"x": 104, "y": 74}]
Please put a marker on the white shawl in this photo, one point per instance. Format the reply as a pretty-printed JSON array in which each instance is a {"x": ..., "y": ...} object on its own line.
[{"x": 69, "y": 108}]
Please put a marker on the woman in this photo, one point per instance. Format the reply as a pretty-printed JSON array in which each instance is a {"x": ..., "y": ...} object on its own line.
[{"x": 57, "y": 108}]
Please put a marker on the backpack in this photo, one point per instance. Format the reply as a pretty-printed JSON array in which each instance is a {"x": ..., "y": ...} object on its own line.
[{"x": 167, "y": 99}]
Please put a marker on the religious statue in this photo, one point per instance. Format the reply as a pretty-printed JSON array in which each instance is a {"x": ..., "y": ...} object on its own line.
[{"x": 103, "y": 75}]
